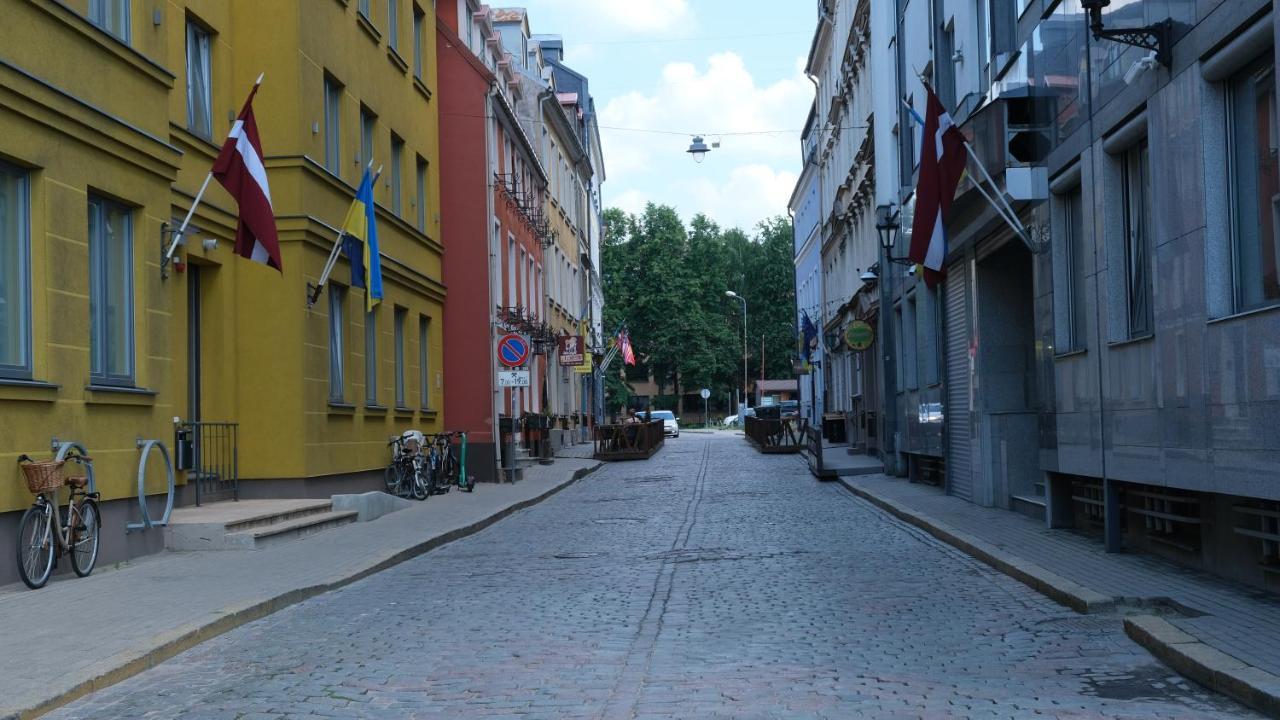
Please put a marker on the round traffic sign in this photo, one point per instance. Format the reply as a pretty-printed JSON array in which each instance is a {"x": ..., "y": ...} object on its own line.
[
  {"x": 705, "y": 393},
  {"x": 513, "y": 350}
]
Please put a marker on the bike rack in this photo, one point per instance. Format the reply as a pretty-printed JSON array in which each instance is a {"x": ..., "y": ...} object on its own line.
[
  {"x": 64, "y": 447},
  {"x": 147, "y": 523}
]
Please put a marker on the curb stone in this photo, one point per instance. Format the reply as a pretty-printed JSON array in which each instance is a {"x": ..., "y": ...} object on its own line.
[
  {"x": 1191, "y": 658},
  {"x": 181, "y": 639}
]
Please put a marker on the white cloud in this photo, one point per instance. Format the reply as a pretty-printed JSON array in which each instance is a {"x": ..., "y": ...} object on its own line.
[
  {"x": 631, "y": 201},
  {"x": 740, "y": 182},
  {"x": 749, "y": 194}
]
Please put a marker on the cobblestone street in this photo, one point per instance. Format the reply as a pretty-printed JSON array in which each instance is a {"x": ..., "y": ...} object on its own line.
[{"x": 707, "y": 582}]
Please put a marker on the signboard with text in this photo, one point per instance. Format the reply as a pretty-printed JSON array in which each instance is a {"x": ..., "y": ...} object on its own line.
[
  {"x": 571, "y": 350},
  {"x": 513, "y": 378}
]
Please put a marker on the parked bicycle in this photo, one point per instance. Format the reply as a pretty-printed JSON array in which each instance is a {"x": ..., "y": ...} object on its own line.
[
  {"x": 408, "y": 475},
  {"x": 47, "y": 531},
  {"x": 448, "y": 468}
]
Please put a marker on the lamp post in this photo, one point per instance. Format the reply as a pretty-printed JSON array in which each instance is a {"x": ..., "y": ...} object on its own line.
[
  {"x": 887, "y": 225},
  {"x": 736, "y": 296}
]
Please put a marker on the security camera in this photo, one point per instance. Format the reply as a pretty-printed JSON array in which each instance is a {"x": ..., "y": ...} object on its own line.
[{"x": 1139, "y": 68}]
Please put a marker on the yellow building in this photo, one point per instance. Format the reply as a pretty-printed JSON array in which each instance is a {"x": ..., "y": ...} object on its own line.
[{"x": 111, "y": 114}]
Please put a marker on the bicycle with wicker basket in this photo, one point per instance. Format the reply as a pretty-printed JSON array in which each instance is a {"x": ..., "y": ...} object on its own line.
[{"x": 48, "y": 531}]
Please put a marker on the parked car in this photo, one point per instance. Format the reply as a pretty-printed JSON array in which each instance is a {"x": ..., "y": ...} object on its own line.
[
  {"x": 735, "y": 421},
  {"x": 790, "y": 409},
  {"x": 670, "y": 423}
]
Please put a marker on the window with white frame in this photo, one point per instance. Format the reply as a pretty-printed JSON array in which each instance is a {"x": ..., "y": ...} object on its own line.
[
  {"x": 400, "y": 316},
  {"x": 199, "y": 81},
  {"x": 424, "y": 351},
  {"x": 1136, "y": 182},
  {"x": 15, "y": 273},
  {"x": 371, "y": 356},
  {"x": 112, "y": 16},
  {"x": 419, "y": 42},
  {"x": 422, "y": 194},
  {"x": 368, "y": 121},
  {"x": 110, "y": 292},
  {"x": 332, "y": 125},
  {"x": 337, "y": 350},
  {"x": 397, "y": 161},
  {"x": 393, "y": 24},
  {"x": 1254, "y": 185}
]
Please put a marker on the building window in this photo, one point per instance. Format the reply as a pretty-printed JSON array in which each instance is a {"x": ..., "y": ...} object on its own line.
[
  {"x": 422, "y": 194},
  {"x": 199, "y": 79},
  {"x": 419, "y": 18},
  {"x": 337, "y": 351},
  {"x": 1255, "y": 186},
  {"x": 397, "y": 156},
  {"x": 1137, "y": 246},
  {"x": 424, "y": 348},
  {"x": 367, "y": 122},
  {"x": 332, "y": 125},
  {"x": 946, "y": 67},
  {"x": 393, "y": 24},
  {"x": 365, "y": 8},
  {"x": 900, "y": 366},
  {"x": 371, "y": 357},
  {"x": 110, "y": 292},
  {"x": 1069, "y": 295},
  {"x": 15, "y": 274},
  {"x": 909, "y": 337},
  {"x": 401, "y": 313},
  {"x": 112, "y": 16}
]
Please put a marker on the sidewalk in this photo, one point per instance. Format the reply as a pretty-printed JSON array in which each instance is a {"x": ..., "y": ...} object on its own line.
[
  {"x": 78, "y": 635},
  {"x": 1221, "y": 634}
]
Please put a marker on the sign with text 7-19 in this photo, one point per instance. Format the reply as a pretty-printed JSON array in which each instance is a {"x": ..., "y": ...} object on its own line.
[
  {"x": 513, "y": 378},
  {"x": 513, "y": 350}
]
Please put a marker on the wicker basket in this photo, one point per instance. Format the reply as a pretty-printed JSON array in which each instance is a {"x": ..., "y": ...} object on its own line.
[{"x": 43, "y": 476}]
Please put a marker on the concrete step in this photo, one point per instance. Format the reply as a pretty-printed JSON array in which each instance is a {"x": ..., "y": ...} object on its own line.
[
  {"x": 1033, "y": 506},
  {"x": 233, "y": 525},
  {"x": 258, "y": 537}
]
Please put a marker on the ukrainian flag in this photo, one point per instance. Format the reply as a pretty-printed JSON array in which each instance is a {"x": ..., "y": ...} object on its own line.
[{"x": 361, "y": 244}]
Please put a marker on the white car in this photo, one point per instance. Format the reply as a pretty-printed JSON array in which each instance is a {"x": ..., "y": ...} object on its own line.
[
  {"x": 670, "y": 424},
  {"x": 735, "y": 421}
]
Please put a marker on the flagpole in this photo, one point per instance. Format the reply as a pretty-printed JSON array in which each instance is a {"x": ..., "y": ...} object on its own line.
[
  {"x": 314, "y": 295},
  {"x": 177, "y": 235},
  {"x": 1005, "y": 210}
]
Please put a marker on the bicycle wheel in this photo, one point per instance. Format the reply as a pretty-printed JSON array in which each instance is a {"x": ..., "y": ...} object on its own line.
[
  {"x": 84, "y": 538},
  {"x": 35, "y": 547},
  {"x": 421, "y": 483}
]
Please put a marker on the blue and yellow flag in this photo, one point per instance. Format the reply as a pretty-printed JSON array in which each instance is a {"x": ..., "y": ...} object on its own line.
[{"x": 361, "y": 244}]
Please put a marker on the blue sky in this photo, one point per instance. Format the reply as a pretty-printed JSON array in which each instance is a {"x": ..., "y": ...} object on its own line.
[{"x": 692, "y": 66}]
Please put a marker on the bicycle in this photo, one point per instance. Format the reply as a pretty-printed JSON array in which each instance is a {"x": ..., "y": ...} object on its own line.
[
  {"x": 47, "y": 531},
  {"x": 448, "y": 469},
  {"x": 406, "y": 476}
]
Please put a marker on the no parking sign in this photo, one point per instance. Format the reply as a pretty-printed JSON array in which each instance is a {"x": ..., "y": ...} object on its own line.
[{"x": 513, "y": 350}]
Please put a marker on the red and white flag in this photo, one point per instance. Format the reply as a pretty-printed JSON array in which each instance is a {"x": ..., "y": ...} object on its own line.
[
  {"x": 628, "y": 355},
  {"x": 240, "y": 169},
  {"x": 942, "y": 163}
]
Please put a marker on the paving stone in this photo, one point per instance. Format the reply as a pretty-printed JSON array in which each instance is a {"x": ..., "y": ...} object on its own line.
[{"x": 738, "y": 588}]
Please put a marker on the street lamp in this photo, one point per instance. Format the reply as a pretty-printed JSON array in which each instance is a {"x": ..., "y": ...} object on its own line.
[
  {"x": 736, "y": 296},
  {"x": 698, "y": 149},
  {"x": 887, "y": 224}
]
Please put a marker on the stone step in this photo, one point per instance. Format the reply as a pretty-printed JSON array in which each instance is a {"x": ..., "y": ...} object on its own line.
[
  {"x": 272, "y": 517},
  {"x": 258, "y": 537},
  {"x": 237, "y": 525}
]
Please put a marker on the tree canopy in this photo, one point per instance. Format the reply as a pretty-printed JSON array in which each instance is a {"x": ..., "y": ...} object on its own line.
[{"x": 667, "y": 280}]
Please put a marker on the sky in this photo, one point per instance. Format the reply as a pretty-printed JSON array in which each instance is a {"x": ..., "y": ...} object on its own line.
[{"x": 685, "y": 67}]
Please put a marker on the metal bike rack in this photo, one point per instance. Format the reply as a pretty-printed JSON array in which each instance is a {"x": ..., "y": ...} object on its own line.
[
  {"x": 147, "y": 523},
  {"x": 65, "y": 446}
]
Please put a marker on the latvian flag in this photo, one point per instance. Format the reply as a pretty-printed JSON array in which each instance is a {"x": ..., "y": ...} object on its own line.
[
  {"x": 942, "y": 162},
  {"x": 240, "y": 169}
]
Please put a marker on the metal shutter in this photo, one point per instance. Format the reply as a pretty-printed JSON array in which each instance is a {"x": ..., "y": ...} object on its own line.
[{"x": 956, "y": 329}]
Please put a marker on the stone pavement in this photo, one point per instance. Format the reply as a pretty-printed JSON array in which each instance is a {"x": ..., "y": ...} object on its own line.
[
  {"x": 1234, "y": 619},
  {"x": 708, "y": 581},
  {"x": 77, "y": 635}
]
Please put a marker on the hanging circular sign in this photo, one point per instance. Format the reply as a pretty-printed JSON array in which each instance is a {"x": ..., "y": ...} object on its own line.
[{"x": 859, "y": 335}]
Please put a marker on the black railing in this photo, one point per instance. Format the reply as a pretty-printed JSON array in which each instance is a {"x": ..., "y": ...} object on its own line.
[
  {"x": 209, "y": 452},
  {"x": 776, "y": 436},
  {"x": 628, "y": 441}
]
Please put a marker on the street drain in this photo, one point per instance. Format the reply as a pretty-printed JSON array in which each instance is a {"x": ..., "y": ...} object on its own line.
[
  {"x": 617, "y": 520},
  {"x": 1082, "y": 624},
  {"x": 577, "y": 555}
]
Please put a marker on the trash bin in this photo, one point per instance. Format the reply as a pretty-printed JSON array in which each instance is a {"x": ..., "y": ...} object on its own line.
[{"x": 833, "y": 427}]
